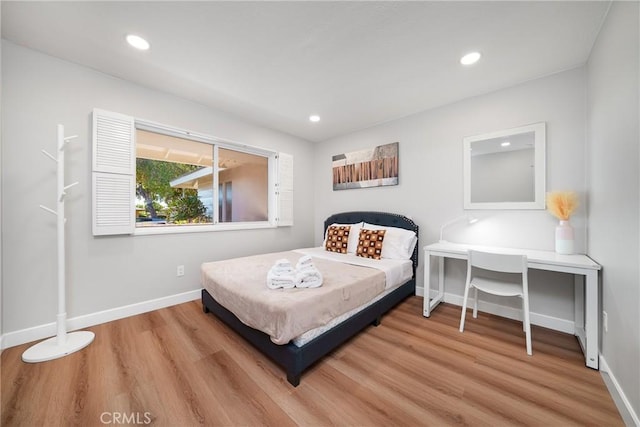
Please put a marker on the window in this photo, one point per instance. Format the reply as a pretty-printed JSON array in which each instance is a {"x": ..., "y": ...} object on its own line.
[
  {"x": 149, "y": 178},
  {"x": 242, "y": 186},
  {"x": 174, "y": 180}
]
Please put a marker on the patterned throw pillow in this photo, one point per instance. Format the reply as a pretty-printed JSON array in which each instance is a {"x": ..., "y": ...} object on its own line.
[
  {"x": 370, "y": 243},
  {"x": 337, "y": 239}
]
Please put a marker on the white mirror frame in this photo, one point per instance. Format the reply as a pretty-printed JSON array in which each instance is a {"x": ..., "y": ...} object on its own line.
[{"x": 539, "y": 130}]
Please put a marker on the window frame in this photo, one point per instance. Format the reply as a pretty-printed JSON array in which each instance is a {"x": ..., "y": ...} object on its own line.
[
  {"x": 216, "y": 143},
  {"x": 106, "y": 171}
]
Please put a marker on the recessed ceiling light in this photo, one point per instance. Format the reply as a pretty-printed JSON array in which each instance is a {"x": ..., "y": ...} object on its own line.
[
  {"x": 470, "y": 58},
  {"x": 137, "y": 42},
  {"x": 314, "y": 118},
  {"x": 505, "y": 144}
]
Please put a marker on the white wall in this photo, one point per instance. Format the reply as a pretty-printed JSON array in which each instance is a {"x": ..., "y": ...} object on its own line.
[
  {"x": 1, "y": 222},
  {"x": 39, "y": 92},
  {"x": 431, "y": 181},
  {"x": 614, "y": 189}
]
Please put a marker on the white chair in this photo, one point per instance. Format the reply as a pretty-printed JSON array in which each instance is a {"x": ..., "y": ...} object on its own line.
[{"x": 505, "y": 263}]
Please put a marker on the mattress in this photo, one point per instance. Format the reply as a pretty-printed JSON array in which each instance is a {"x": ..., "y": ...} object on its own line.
[
  {"x": 301, "y": 340},
  {"x": 284, "y": 314}
]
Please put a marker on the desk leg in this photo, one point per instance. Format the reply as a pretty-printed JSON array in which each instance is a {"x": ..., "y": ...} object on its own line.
[
  {"x": 578, "y": 308},
  {"x": 440, "y": 296},
  {"x": 587, "y": 319},
  {"x": 426, "y": 302},
  {"x": 592, "y": 319}
]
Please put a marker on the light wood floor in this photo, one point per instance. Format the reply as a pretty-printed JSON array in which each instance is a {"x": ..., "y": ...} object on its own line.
[{"x": 180, "y": 367}]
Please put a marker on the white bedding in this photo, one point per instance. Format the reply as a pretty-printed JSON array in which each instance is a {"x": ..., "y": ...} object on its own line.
[
  {"x": 351, "y": 283},
  {"x": 301, "y": 340},
  {"x": 397, "y": 271}
]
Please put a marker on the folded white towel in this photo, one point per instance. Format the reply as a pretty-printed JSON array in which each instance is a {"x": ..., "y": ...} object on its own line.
[
  {"x": 309, "y": 277},
  {"x": 282, "y": 267},
  {"x": 304, "y": 262},
  {"x": 276, "y": 281},
  {"x": 283, "y": 275},
  {"x": 282, "y": 270},
  {"x": 283, "y": 262}
]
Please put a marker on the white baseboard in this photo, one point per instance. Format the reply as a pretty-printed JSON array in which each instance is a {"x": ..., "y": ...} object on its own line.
[
  {"x": 620, "y": 399},
  {"x": 555, "y": 323},
  {"x": 12, "y": 339}
]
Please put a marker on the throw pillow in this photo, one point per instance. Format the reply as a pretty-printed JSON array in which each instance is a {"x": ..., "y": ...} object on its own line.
[
  {"x": 337, "y": 239},
  {"x": 370, "y": 243}
]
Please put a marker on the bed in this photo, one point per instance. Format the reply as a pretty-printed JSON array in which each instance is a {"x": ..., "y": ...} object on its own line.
[{"x": 297, "y": 354}]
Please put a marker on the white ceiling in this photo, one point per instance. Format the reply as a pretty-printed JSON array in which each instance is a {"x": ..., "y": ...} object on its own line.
[{"x": 356, "y": 64}]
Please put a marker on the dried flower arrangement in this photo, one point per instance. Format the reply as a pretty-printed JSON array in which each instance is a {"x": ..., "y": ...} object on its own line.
[{"x": 562, "y": 204}]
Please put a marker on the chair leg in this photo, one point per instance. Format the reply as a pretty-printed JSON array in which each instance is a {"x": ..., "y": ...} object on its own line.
[
  {"x": 527, "y": 322},
  {"x": 464, "y": 306},
  {"x": 475, "y": 303}
]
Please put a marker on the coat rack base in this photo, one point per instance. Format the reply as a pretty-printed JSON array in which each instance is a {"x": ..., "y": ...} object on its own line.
[{"x": 50, "y": 349}]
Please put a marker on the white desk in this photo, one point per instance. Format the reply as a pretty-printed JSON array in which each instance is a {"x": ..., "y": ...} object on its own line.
[{"x": 587, "y": 327}]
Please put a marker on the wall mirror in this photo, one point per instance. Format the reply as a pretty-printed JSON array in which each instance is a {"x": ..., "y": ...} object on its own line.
[{"x": 505, "y": 169}]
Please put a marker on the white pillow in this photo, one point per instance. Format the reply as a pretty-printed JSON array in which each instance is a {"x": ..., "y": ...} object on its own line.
[
  {"x": 354, "y": 234},
  {"x": 398, "y": 243}
]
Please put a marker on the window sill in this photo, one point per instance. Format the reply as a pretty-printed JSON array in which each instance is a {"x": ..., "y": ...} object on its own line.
[{"x": 201, "y": 228}]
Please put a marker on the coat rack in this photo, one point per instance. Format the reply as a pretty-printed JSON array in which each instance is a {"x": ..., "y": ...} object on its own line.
[{"x": 63, "y": 343}]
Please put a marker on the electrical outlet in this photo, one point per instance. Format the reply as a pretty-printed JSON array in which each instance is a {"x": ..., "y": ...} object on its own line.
[
  {"x": 180, "y": 271},
  {"x": 605, "y": 321}
]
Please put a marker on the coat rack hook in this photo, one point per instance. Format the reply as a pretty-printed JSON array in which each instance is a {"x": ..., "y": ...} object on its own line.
[
  {"x": 51, "y": 211},
  {"x": 71, "y": 185},
  {"x": 65, "y": 140},
  {"x": 46, "y": 153}
]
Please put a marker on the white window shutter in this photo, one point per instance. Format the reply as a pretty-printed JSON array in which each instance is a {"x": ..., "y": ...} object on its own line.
[
  {"x": 113, "y": 173},
  {"x": 285, "y": 189}
]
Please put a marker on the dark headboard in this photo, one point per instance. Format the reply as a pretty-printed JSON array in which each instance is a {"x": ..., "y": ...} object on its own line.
[{"x": 378, "y": 218}]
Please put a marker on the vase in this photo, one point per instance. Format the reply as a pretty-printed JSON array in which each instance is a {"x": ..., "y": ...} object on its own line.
[{"x": 564, "y": 238}]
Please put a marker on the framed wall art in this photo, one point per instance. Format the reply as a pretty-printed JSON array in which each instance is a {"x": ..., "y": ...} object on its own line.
[{"x": 374, "y": 167}]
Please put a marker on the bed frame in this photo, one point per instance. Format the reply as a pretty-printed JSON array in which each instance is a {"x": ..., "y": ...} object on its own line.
[{"x": 296, "y": 359}]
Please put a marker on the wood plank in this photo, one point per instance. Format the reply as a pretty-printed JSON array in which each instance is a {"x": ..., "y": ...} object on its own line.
[{"x": 179, "y": 366}]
